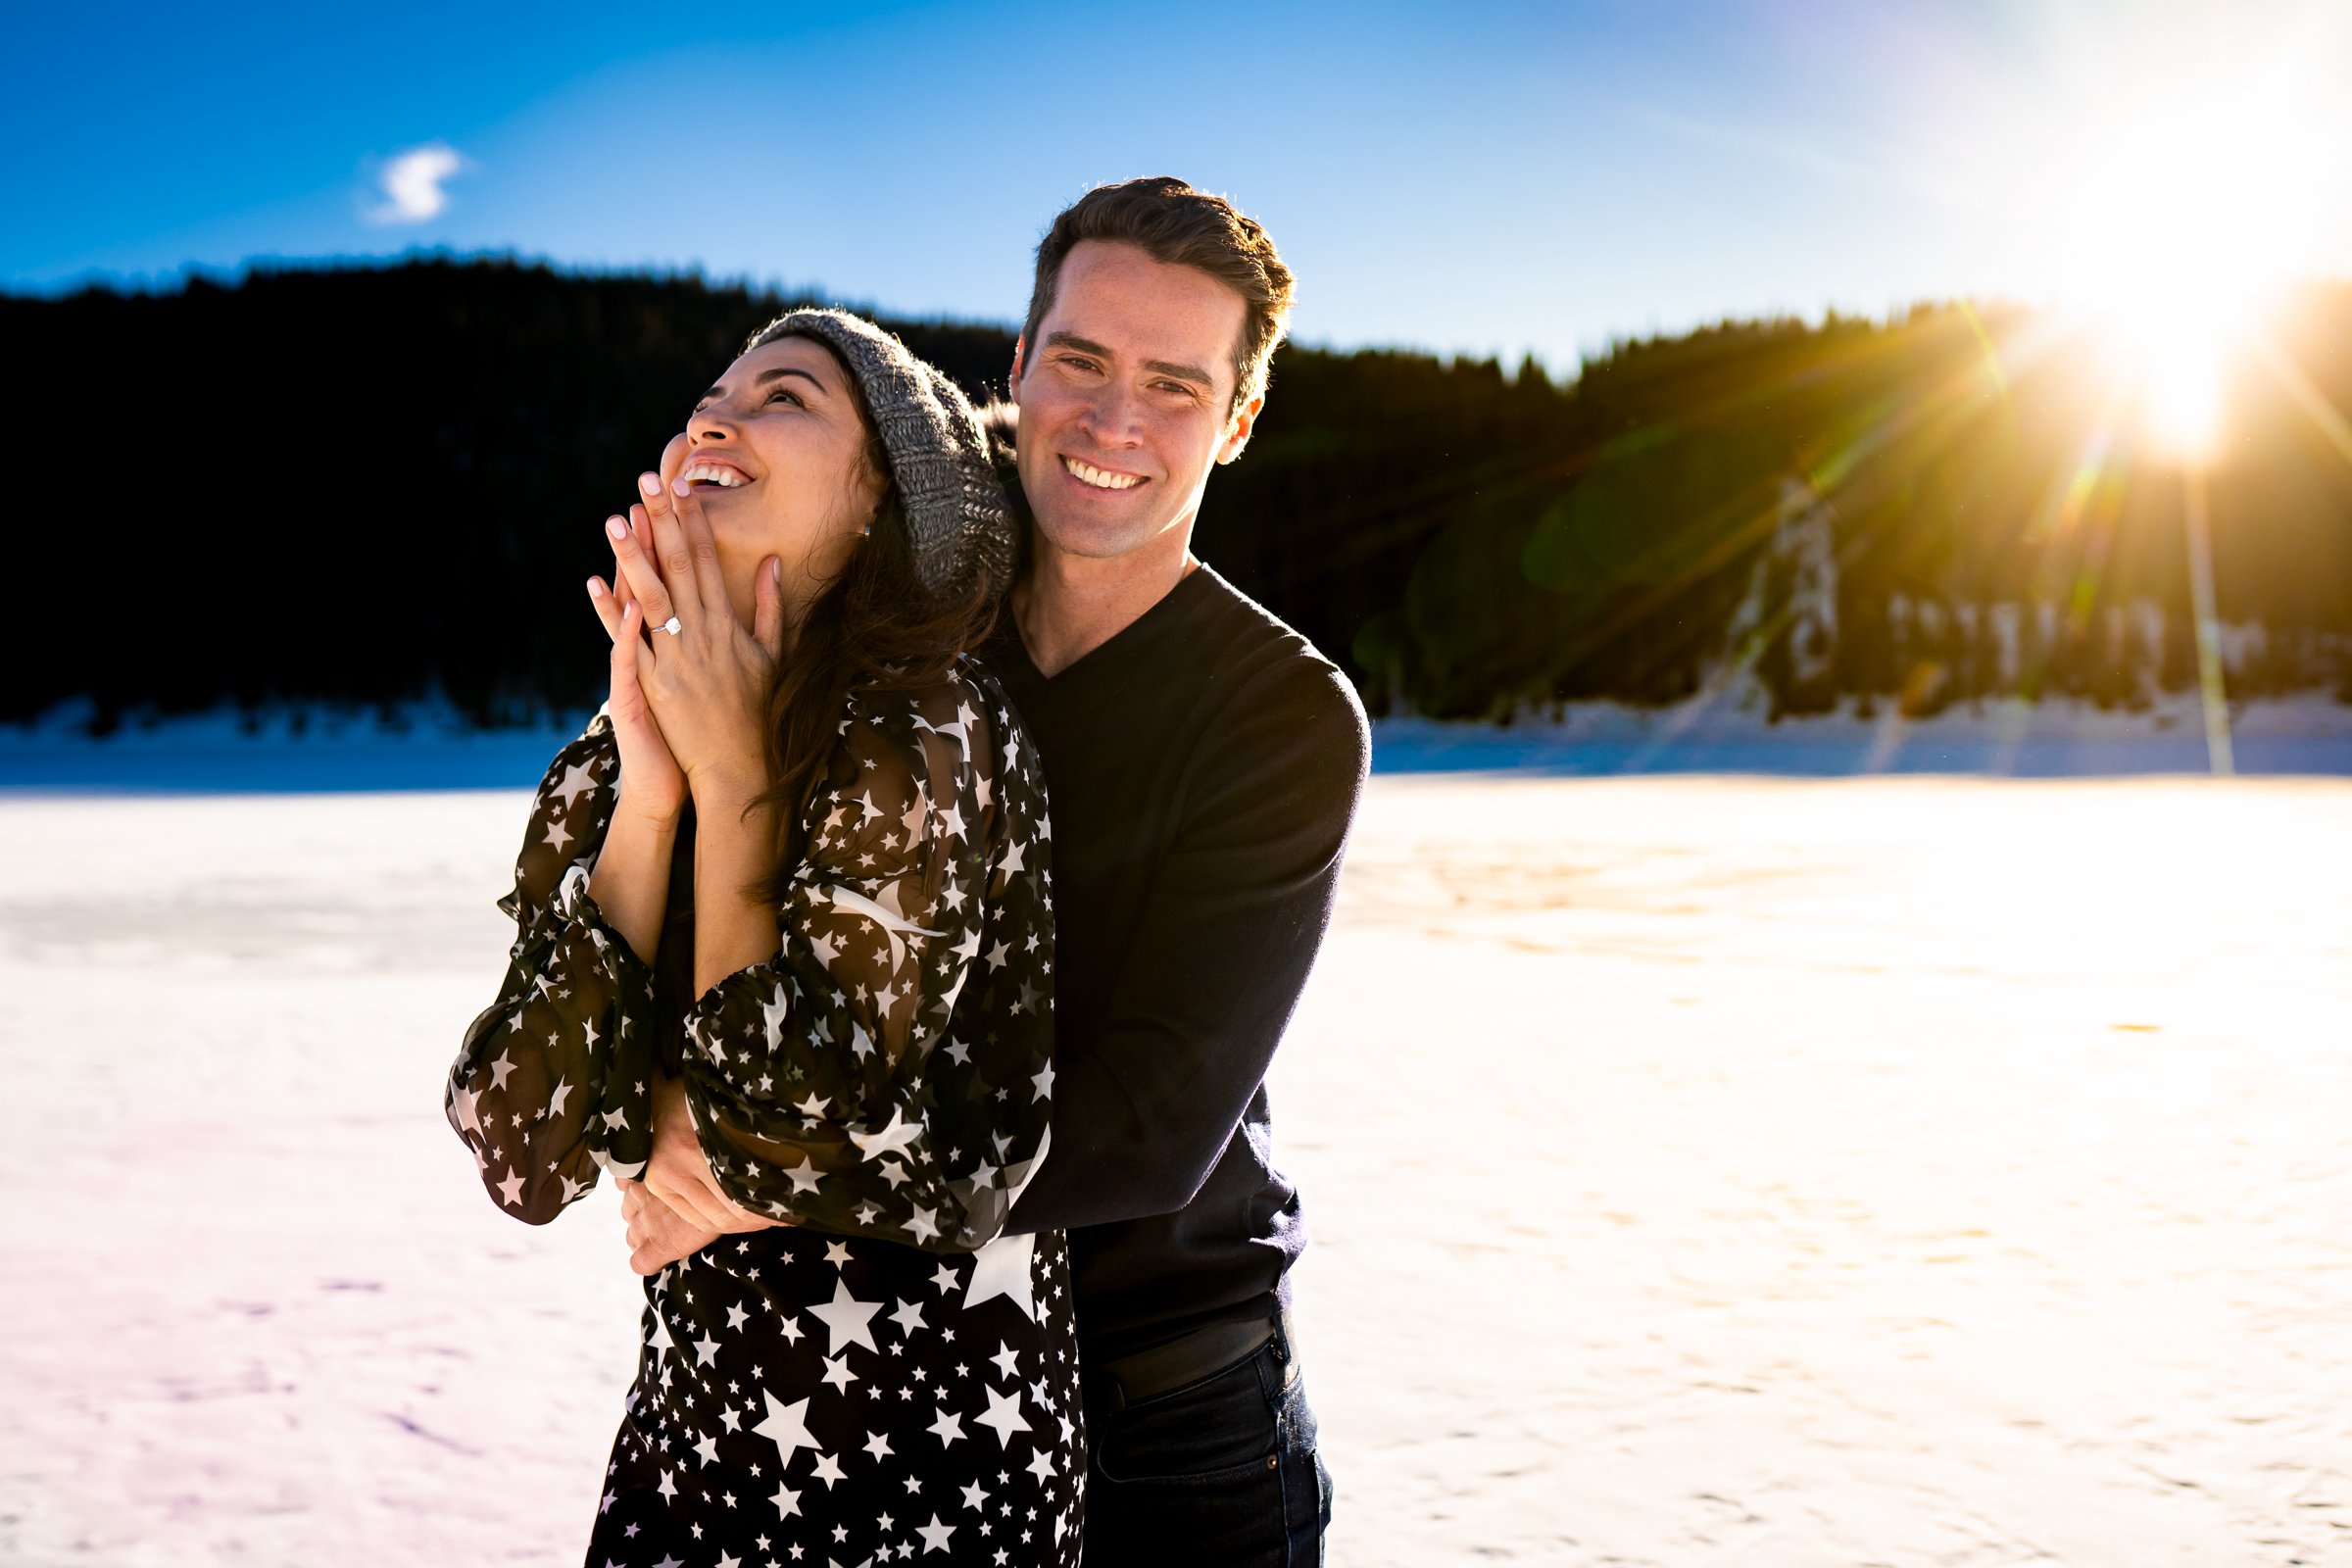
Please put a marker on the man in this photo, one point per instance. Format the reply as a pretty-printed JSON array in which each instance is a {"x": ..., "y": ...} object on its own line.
[{"x": 1203, "y": 763}]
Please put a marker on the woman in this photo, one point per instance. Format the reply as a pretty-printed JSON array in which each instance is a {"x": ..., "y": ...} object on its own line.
[{"x": 787, "y": 895}]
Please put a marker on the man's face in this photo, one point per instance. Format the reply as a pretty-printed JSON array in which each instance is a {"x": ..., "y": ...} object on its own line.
[{"x": 1126, "y": 399}]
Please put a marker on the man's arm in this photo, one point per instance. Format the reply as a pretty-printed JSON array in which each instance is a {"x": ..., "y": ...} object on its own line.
[{"x": 1146, "y": 1104}]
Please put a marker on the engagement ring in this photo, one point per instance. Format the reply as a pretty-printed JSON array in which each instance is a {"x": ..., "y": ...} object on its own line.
[{"x": 670, "y": 626}]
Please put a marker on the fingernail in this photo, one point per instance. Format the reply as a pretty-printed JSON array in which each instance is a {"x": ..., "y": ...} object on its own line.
[
  {"x": 619, "y": 529},
  {"x": 649, "y": 483},
  {"x": 595, "y": 589},
  {"x": 629, "y": 610},
  {"x": 775, "y": 571},
  {"x": 679, "y": 487}
]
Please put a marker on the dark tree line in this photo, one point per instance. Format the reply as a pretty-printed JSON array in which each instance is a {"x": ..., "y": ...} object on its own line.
[{"x": 364, "y": 485}]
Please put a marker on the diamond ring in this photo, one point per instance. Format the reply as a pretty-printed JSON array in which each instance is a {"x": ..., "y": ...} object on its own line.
[{"x": 670, "y": 626}]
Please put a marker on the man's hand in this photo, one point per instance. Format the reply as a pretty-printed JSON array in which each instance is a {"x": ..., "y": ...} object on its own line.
[
  {"x": 678, "y": 1174},
  {"x": 659, "y": 1236}
]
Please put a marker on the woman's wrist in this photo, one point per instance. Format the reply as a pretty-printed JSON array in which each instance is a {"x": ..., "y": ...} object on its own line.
[
  {"x": 727, "y": 787},
  {"x": 661, "y": 812}
]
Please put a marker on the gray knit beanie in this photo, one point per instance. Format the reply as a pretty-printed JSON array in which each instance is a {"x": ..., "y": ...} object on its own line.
[{"x": 959, "y": 527}]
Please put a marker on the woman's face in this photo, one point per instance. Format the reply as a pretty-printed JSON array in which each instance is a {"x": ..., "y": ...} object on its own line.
[{"x": 776, "y": 454}]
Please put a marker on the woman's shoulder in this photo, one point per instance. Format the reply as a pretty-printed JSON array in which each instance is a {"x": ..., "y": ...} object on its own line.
[
  {"x": 963, "y": 705},
  {"x": 956, "y": 735},
  {"x": 588, "y": 761}
]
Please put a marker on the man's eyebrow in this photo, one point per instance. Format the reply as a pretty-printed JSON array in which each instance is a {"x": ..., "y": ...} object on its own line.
[
  {"x": 1084, "y": 345},
  {"x": 1181, "y": 372},
  {"x": 763, "y": 378}
]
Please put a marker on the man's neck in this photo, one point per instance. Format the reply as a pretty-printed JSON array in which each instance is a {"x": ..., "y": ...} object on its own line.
[{"x": 1068, "y": 606}]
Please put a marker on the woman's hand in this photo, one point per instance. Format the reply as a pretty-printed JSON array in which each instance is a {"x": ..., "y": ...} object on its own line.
[
  {"x": 652, "y": 783},
  {"x": 657, "y": 1233},
  {"x": 706, "y": 684}
]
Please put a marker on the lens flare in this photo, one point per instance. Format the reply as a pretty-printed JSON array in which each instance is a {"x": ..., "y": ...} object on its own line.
[{"x": 2164, "y": 182}]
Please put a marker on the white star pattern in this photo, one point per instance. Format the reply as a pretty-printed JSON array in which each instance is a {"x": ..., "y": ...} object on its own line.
[
  {"x": 786, "y": 1426},
  {"x": 848, "y": 1318},
  {"x": 1004, "y": 1267},
  {"x": 891, "y": 1140},
  {"x": 1004, "y": 1415},
  {"x": 915, "y": 949},
  {"x": 949, "y": 1427}
]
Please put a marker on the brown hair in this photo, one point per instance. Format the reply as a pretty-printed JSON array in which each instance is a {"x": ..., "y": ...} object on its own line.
[
  {"x": 1172, "y": 222},
  {"x": 874, "y": 628}
]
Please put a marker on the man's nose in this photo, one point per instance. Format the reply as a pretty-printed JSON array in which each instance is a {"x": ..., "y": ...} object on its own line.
[{"x": 1113, "y": 417}]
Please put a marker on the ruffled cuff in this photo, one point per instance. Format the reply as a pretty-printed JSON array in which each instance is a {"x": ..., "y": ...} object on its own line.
[
  {"x": 802, "y": 1119},
  {"x": 590, "y": 957}
]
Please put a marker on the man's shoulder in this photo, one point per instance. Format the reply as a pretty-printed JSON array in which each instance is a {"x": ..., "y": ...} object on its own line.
[
  {"x": 1259, "y": 651},
  {"x": 1234, "y": 614},
  {"x": 1281, "y": 707}
]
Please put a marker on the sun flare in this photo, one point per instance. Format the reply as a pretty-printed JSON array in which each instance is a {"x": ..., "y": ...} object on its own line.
[
  {"x": 2187, "y": 234},
  {"x": 2171, "y": 190}
]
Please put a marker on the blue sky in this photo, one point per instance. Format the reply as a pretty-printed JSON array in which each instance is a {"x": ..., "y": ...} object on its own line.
[{"x": 1483, "y": 178}]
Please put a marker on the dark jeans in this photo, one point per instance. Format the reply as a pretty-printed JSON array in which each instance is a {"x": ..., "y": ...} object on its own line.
[{"x": 1222, "y": 1472}]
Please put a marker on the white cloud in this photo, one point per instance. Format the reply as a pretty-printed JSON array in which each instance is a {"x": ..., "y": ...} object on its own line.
[{"x": 411, "y": 182}]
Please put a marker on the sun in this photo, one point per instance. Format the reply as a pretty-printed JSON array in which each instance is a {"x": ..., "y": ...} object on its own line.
[
  {"x": 2183, "y": 236},
  {"x": 2184, "y": 249},
  {"x": 2172, "y": 185}
]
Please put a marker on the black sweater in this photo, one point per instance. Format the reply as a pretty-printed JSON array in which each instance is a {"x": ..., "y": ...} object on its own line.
[{"x": 1201, "y": 768}]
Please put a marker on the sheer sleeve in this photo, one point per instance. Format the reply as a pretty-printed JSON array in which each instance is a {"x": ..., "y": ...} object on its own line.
[
  {"x": 554, "y": 1079},
  {"x": 888, "y": 1072}
]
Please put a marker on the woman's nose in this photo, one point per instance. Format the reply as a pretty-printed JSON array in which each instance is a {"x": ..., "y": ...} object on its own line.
[{"x": 709, "y": 424}]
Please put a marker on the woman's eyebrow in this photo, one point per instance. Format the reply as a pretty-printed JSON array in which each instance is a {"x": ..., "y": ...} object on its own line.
[
  {"x": 720, "y": 388},
  {"x": 783, "y": 370}
]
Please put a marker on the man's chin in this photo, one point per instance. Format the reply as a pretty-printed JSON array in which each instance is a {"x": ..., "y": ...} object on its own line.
[{"x": 1099, "y": 538}]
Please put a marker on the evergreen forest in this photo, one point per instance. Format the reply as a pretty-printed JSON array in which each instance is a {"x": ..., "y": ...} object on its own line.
[{"x": 368, "y": 485}]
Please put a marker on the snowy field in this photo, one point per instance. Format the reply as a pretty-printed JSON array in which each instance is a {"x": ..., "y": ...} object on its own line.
[{"x": 1703, "y": 1170}]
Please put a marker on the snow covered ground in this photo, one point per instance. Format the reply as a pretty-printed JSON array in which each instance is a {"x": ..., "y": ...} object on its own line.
[{"x": 1703, "y": 1170}]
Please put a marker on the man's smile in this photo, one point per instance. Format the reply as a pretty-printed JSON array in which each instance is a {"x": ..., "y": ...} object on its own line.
[{"x": 1087, "y": 473}]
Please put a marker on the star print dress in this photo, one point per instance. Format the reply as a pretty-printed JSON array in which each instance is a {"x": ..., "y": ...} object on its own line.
[{"x": 889, "y": 1377}]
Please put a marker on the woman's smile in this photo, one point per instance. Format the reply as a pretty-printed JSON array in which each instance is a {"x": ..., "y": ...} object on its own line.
[{"x": 712, "y": 471}]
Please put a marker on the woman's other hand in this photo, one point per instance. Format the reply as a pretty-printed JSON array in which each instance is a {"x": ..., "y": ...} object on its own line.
[
  {"x": 651, "y": 784},
  {"x": 706, "y": 683},
  {"x": 657, "y": 1233}
]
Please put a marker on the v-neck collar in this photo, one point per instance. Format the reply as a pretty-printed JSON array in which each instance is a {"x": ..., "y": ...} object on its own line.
[{"x": 1101, "y": 672}]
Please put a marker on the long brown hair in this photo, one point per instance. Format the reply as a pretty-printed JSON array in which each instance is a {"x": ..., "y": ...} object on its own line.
[{"x": 874, "y": 628}]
